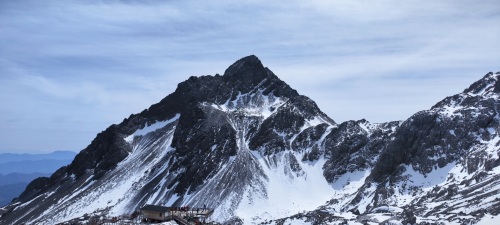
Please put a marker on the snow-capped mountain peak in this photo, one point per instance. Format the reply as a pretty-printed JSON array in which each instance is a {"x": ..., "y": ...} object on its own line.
[
  {"x": 249, "y": 146},
  {"x": 488, "y": 86}
]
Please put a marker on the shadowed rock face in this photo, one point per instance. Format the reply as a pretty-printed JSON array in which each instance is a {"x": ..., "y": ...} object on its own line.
[
  {"x": 221, "y": 135},
  {"x": 355, "y": 146},
  {"x": 445, "y": 133}
]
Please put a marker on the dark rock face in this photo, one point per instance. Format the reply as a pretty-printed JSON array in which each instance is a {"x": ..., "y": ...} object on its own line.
[
  {"x": 211, "y": 130},
  {"x": 309, "y": 139},
  {"x": 276, "y": 131},
  {"x": 102, "y": 154},
  {"x": 355, "y": 146},
  {"x": 340, "y": 145}
]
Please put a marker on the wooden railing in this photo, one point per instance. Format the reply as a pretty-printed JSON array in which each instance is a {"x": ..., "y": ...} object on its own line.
[{"x": 181, "y": 220}]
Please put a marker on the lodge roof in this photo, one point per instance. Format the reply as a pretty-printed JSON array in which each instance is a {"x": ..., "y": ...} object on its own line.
[{"x": 155, "y": 208}]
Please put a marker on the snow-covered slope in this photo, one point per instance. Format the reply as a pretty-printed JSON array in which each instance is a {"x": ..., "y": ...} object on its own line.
[
  {"x": 252, "y": 148},
  {"x": 440, "y": 165}
]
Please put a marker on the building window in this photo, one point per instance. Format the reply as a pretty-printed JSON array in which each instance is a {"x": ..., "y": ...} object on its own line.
[{"x": 160, "y": 214}]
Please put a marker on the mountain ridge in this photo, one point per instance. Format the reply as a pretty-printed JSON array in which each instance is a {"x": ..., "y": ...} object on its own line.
[{"x": 242, "y": 141}]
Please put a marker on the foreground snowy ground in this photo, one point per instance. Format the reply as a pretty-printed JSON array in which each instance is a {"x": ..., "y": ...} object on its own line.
[
  {"x": 490, "y": 220},
  {"x": 168, "y": 223}
]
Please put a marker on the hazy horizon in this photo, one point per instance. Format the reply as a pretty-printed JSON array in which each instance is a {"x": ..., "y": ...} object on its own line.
[{"x": 35, "y": 152}]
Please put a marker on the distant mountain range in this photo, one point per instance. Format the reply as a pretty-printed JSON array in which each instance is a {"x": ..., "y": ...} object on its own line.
[
  {"x": 14, "y": 178},
  {"x": 17, "y": 170},
  {"x": 17, "y": 157}
]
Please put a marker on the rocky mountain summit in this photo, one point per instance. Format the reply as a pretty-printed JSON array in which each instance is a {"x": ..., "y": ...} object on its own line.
[
  {"x": 248, "y": 145},
  {"x": 443, "y": 161}
]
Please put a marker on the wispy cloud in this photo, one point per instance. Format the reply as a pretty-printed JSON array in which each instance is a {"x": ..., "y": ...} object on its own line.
[{"x": 69, "y": 69}]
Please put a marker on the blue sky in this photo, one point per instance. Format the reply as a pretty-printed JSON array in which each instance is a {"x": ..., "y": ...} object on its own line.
[{"x": 69, "y": 69}]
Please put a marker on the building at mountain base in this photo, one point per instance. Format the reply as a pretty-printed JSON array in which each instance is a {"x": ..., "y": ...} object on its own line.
[
  {"x": 182, "y": 215},
  {"x": 155, "y": 212}
]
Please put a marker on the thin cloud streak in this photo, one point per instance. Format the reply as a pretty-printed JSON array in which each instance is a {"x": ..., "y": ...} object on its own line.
[{"x": 70, "y": 69}]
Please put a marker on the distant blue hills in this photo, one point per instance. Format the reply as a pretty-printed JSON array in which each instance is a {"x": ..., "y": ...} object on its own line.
[
  {"x": 17, "y": 170},
  {"x": 14, "y": 178},
  {"x": 33, "y": 166},
  {"x": 16, "y": 157}
]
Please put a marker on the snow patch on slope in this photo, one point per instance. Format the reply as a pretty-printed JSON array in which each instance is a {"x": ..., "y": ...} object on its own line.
[
  {"x": 151, "y": 127},
  {"x": 280, "y": 187},
  {"x": 436, "y": 177},
  {"x": 489, "y": 220},
  {"x": 255, "y": 104},
  {"x": 115, "y": 190}
]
